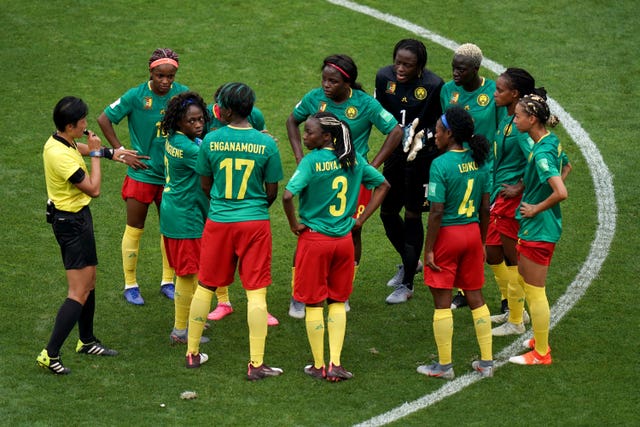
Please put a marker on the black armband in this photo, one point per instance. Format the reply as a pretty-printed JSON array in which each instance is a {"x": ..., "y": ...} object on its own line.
[{"x": 107, "y": 152}]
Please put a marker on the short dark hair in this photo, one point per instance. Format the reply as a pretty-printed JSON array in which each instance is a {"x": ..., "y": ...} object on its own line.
[
  {"x": 237, "y": 97},
  {"x": 416, "y": 47},
  {"x": 69, "y": 110}
]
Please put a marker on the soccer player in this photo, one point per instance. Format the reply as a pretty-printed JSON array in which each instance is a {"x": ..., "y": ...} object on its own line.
[
  {"x": 256, "y": 120},
  {"x": 328, "y": 181},
  {"x": 342, "y": 95},
  {"x": 143, "y": 106},
  {"x": 184, "y": 205},
  {"x": 70, "y": 188},
  {"x": 239, "y": 168},
  {"x": 475, "y": 94},
  {"x": 540, "y": 220},
  {"x": 454, "y": 255},
  {"x": 410, "y": 92}
]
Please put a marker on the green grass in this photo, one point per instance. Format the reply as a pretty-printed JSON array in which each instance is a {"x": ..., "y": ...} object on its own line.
[{"x": 586, "y": 57}]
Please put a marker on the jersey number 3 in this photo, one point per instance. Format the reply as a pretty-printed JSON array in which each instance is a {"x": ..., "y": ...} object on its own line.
[{"x": 340, "y": 184}]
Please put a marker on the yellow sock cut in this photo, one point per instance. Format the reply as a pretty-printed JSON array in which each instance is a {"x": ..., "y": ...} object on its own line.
[
  {"x": 540, "y": 316},
  {"x": 482, "y": 325},
  {"x": 185, "y": 287},
  {"x": 130, "y": 249},
  {"x": 443, "y": 333},
  {"x": 257, "y": 321},
  {"x": 200, "y": 306},
  {"x": 293, "y": 278},
  {"x": 515, "y": 295},
  {"x": 314, "y": 321},
  {"x": 222, "y": 294},
  {"x": 168, "y": 272},
  {"x": 355, "y": 271},
  {"x": 336, "y": 327},
  {"x": 501, "y": 275}
]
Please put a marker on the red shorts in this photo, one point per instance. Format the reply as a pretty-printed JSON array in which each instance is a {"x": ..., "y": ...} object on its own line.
[
  {"x": 183, "y": 255},
  {"x": 141, "y": 191},
  {"x": 364, "y": 197},
  {"x": 502, "y": 220},
  {"x": 460, "y": 255},
  {"x": 226, "y": 245},
  {"x": 538, "y": 252},
  {"x": 324, "y": 268}
]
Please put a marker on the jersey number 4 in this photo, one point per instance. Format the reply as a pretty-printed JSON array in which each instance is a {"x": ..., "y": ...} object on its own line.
[{"x": 466, "y": 207}]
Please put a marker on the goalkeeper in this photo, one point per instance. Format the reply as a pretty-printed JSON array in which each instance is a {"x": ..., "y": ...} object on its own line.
[{"x": 412, "y": 94}]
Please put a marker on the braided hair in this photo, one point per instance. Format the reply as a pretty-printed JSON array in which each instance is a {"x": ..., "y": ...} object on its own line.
[
  {"x": 417, "y": 48},
  {"x": 460, "y": 123},
  {"x": 536, "y": 105},
  {"x": 163, "y": 53},
  {"x": 347, "y": 68},
  {"x": 340, "y": 137},
  {"x": 177, "y": 108}
]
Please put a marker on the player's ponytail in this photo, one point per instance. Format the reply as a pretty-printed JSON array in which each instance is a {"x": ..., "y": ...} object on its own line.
[
  {"x": 341, "y": 138},
  {"x": 460, "y": 123}
]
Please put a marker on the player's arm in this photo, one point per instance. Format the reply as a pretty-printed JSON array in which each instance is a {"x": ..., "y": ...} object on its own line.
[
  {"x": 377, "y": 198},
  {"x": 206, "y": 182},
  {"x": 271, "y": 188},
  {"x": 293, "y": 132},
  {"x": 290, "y": 211},
  {"x": 436, "y": 211},
  {"x": 566, "y": 169},
  {"x": 392, "y": 140},
  {"x": 128, "y": 157}
]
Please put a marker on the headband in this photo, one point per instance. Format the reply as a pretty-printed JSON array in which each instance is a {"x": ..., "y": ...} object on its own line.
[
  {"x": 443, "y": 119},
  {"x": 162, "y": 61},
  {"x": 343, "y": 72}
]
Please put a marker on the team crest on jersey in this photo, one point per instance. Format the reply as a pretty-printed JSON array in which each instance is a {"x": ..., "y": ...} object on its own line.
[
  {"x": 148, "y": 103},
  {"x": 351, "y": 112},
  {"x": 323, "y": 106},
  {"x": 454, "y": 98},
  {"x": 420, "y": 93},
  {"x": 391, "y": 87},
  {"x": 483, "y": 100}
]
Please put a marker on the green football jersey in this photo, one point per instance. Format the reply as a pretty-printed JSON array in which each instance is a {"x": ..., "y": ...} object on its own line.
[
  {"x": 510, "y": 151},
  {"x": 144, "y": 111},
  {"x": 479, "y": 103},
  {"x": 456, "y": 181},
  {"x": 361, "y": 111},
  {"x": 184, "y": 205},
  {"x": 544, "y": 162},
  {"x": 328, "y": 193},
  {"x": 240, "y": 161}
]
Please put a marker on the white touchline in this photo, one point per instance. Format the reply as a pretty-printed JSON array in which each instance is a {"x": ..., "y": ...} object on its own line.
[{"x": 607, "y": 214}]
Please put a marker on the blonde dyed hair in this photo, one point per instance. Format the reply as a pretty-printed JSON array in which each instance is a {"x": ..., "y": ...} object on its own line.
[{"x": 471, "y": 51}]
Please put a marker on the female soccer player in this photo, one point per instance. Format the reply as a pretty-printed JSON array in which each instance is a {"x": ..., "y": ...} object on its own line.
[
  {"x": 184, "y": 205},
  {"x": 256, "y": 120},
  {"x": 328, "y": 181},
  {"x": 143, "y": 106},
  {"x": 409, "y": 91},
  {"x": 343, "y": 96},
  {"x": 239, "y": 168},
  {"x": 459, "y": 186},
  {"x": 70, "y": 188},
  {"x": 475, "y": 94},
  {"x": 540, "y": 220}
]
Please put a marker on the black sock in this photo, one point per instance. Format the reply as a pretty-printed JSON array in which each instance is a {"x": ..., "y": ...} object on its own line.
[
  {"x": 394, "y": 229},
  {"x": 67, "y": 317},
  {"x": 414, "y": 239},
  {"x": 85, "y": 322}
]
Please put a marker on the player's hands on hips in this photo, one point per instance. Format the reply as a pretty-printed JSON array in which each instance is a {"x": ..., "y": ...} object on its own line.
[
  {"x": 130, "y": 158},
  {"x": 298, "y": 228},
  {"x": 528, "y": 210}
]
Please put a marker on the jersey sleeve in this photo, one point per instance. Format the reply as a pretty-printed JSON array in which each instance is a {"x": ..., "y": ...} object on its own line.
[
  {"x": 120, "y": 108},
  {"x": 273, "y": 170},
  {"x": 303, "y": 109},
  {"x": 256, "y": 118},
  {"x": 203, "y": 165},
  {"x": 381, "y": 118},
  {"x": 301, "y": 177},
  {"x": 437, "y": 189},
  {"x": 546, "y": 166},
  {"x": 371, "y": 177}
]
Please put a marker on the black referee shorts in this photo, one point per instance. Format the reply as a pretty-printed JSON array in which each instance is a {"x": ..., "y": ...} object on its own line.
[{"x": 74, "y": 233}]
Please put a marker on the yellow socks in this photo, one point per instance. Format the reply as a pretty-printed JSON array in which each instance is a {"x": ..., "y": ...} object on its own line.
[
  {"x": 443, "y": 333},
  {"x": 501, "y": 275},
  {"x": 482, "y": 325},
  {"x": 540, "y": 316},
  {"x": 130, "y": 249},
  {"x": 167, "y": 272},
  {"x": 200, "y": 305},
  {"x": 185, "y": 287},
  {"x": 314, "y": 321},
  {"x": 222, "y": 294},
  {"x": 355, "y": 271},
  {"x": 516, "y": 295},
  {"x": 293, "y": 277},
  {"x": 336, "y": 326},
  {"x": 257, "y": 320}
]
